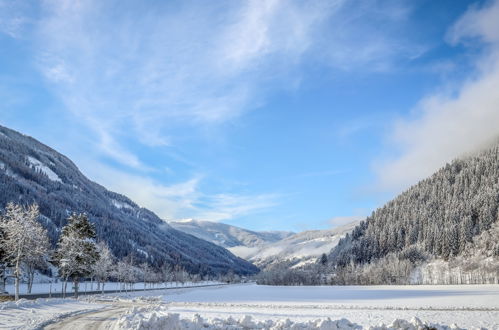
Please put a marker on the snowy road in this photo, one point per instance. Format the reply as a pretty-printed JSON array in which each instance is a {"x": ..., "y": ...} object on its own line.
[{"x": 102, "y": 319}]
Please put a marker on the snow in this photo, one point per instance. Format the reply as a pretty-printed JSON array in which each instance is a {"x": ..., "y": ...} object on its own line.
[
  {"x": 303, "y": 248},
  {"x": 143, "y": 252},
  {"x": 44, "y": 169},
  {"x": 122, "y": 205},
  {"x": 33, "y": 314},
  {"x": 159, "y": 318},
  {"x": 251, "y": 306},
  {"x": 467, "y": 306},
  {"x": 7, "y": 170}
]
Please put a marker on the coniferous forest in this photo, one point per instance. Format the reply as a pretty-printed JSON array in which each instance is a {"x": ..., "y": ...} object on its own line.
[{"x": 444, "y": 229}]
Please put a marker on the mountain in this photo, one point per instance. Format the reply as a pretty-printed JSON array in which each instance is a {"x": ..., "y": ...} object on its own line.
[
  {"x": 452, "y": 217},
  {"x": 32, "y": 172},
  {"x": 239, "y": 241},
  {"x": 299, "y": 249}
]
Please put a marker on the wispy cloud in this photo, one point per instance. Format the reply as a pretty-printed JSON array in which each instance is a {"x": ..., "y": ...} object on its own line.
[
  {"x": 182, "y": 199},
  {"x": 133, "y": 72},
  {"x": 146, "y": 72},
  {"x": 142, "y": 70},
  {"x": 448, "y": 124}
]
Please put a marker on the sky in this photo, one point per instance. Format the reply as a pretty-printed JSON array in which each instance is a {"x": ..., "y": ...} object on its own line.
[{"x": 268, "y": 115}]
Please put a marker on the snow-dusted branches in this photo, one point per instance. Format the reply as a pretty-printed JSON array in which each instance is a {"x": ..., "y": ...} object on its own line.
[
  {"x": 25, "y": 241},
  {"x": 76, "y": 252}
]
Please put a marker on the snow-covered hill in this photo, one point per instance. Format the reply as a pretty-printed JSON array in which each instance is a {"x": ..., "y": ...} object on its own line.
[
  {"x": 241, "y": 242},
  {"x": 299, "y": 249},
  {"x": 267, "y": 248},
  {"x": 33, "y": 172}
]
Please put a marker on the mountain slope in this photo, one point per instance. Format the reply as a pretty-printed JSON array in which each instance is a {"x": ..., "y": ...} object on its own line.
[
  {"x": 237, "y": 240},
  {"x": 437, "y": 218},
  {"x": 32, "y": 172},
  {"x": 299, "y": 249}
]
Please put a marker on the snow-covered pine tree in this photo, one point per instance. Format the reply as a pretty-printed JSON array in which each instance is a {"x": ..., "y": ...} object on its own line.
[
  {"x": 25, "y": 240},
  {"x": 76, "y": 252}
]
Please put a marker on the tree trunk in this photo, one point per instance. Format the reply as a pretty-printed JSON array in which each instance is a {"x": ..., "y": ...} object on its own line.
[
  {"x": 31, "y": 277},
  {"x": 3, "y": 278},
  {"x": 16, "y": 273},
  {"x": 76, "y": 283},
  {"x": 17, "y": 287}
]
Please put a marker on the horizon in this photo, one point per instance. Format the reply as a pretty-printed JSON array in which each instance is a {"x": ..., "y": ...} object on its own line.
[{"x": 270, "y": 116}]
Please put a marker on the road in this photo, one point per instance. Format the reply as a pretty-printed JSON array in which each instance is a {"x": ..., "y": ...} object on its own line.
[{"x": 95, "y": 320}]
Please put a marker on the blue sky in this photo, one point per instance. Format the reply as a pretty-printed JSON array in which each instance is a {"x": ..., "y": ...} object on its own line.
[{"x": 273, "y": 114}]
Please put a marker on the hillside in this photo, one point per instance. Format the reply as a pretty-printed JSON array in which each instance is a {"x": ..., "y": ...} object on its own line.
[
  {"x": 239, "y": 241},
  {"x": 299, "y": 249},
  {"x": 32, "y": 172},
  {"x": 444, "y": 217}
]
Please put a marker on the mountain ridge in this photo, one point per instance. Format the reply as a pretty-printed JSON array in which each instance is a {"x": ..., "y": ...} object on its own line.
[{"x": 31, "y": 171}]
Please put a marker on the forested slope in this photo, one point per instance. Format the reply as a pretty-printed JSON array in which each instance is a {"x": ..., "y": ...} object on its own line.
[
  {"x": 32, "y": 172},
  {"x": 436, "y": 219}
]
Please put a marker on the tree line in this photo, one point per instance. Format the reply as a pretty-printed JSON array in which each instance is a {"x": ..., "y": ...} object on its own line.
[{"x": 25, "y": 248}]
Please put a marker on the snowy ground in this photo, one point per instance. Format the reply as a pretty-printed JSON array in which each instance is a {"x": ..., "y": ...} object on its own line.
[
  {"x": 467, "y": 306},
  {"x": 29, "y": 314},
  {"x": 267, "y": 307}
]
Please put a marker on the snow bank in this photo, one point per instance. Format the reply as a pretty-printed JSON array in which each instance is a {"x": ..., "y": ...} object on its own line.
[
  {"x": 34, "y": 314},
  {"x": 159, "y": 318},
  {"x": 25, "y": 303}
]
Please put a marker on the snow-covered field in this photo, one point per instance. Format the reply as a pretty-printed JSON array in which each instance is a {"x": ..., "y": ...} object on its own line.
[
  {"x": 267, "y": 307},
  {"x": 467, "y": 306}
]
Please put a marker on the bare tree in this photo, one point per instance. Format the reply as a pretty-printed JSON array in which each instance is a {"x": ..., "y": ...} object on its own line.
[
  {"x": 25, "y": 240},
  {"x": 103, "y": 267}
]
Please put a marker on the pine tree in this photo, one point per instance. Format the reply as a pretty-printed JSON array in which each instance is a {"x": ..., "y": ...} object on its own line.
[
  {"x": 76, "y": 250},
  {"x": 323, "y": 259}
]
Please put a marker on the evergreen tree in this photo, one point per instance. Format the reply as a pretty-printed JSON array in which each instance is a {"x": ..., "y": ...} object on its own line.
[
  {"x": 76, "y": 252},
  {"x": 323, "y": 259}
]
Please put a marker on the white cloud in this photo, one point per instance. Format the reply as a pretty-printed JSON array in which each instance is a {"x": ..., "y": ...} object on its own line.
[
  {"x": 448, "y": 125},
  {"x": 143, "y": 70},
  {"x": 179, "y": 200},
  {"x": 147, "y": 69}
]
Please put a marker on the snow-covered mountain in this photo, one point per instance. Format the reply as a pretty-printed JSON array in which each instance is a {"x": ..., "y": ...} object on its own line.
[
  {"x": 299, "y": 249},
  {"x": 32, "y": 172},
  {"x": 241, "y": 242},
  {"x": 266, "y": 249},
  {"x": 453, "y": 216}
]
